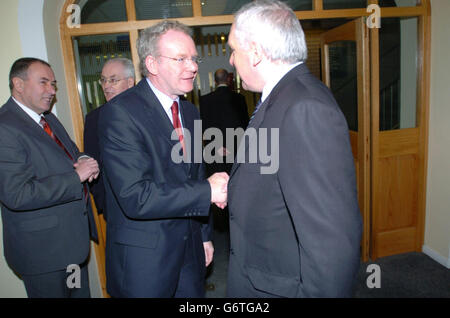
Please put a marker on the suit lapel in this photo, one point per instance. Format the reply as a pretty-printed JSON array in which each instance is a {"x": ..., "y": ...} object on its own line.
[
  {"x": 60, "y": 133},
  {"x": 188, "y": 124},
  {"x": 155, "y": 110},
  {"x": 253, "y": 125},
  {"x": 37, "y": 130},
  {"x": 156, "y": 114},
  {"x": 270, "y": 100}
]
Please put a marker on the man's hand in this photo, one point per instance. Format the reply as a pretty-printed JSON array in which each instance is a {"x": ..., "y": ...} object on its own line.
[
  {"x": 87, "y": 169},
  {"x": 209, "y": 252},
  {"x": 219, "y": 184}
]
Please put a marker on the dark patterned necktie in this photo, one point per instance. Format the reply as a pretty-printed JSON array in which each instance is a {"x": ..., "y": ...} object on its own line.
[{"x": 256, "y": 109}]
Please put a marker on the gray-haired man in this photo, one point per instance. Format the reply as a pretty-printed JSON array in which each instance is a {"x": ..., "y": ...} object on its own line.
[{"x": 117, "y": 76}]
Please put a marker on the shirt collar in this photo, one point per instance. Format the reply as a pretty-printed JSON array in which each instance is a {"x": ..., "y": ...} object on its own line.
[
  {"x": 165, "y": 100},
  {"x": 275, "y": 78},
  {"x": 35, "y": 116}
]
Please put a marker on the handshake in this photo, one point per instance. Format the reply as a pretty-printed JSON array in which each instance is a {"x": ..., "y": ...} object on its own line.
[{"x": 219, "y": 185}]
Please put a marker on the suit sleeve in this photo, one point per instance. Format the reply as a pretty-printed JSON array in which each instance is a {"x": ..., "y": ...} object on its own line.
[
  {"x": 91, "y": 148},
  {"x": 129, "y": 166},
  {"x": 317, "y": 178},
  {"x": 21, "y": 189}
]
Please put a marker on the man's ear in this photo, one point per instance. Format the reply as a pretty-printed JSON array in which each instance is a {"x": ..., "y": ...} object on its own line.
[
  {"x": 18, "y": 84},
  {"x": 151, "y": 64},
  {"x": 130, "y": 82},
  {"x": 256, "y": 53}
]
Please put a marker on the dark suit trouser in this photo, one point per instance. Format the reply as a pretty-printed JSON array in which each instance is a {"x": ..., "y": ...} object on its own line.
[
  {"x": 191, "y": 282},
  {"x": 54, "y": 284}
]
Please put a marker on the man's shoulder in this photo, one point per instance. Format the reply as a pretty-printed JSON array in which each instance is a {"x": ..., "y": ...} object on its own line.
[
  {"x": 7, "y": 113},
  {"x": 94, "y": 113},
  {"x": 208, "y": 96}
]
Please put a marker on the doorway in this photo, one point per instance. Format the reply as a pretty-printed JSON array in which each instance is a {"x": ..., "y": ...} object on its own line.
[{"x": 389, "y": 133}]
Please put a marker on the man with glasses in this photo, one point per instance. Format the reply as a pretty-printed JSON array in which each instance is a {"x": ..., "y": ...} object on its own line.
[
  {"x": 159, "y": 229},
  {"x": 117, "y": 76}
]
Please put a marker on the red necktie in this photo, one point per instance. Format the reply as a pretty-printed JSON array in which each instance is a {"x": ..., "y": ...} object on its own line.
[
  {"x": 49, "y": 131},
  {"x": 177, "y": 124}
]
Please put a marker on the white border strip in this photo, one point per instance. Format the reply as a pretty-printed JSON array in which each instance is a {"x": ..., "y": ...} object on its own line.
[{"x": 436, "y": 256}]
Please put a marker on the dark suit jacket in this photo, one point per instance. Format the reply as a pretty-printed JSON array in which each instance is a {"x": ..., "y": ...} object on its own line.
[
  {"x": 296, "y": 233},
  {"x": 223, "y": 109},
  {"x": 91, "y": 148},
  {"x": 45, "y": 213},
  {"x": 154, "y": 205}
]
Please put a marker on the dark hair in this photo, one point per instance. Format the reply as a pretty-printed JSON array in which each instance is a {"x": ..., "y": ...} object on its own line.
[
  {"x": 20, "y": 68},
  {"x": 221, "y": 76}
]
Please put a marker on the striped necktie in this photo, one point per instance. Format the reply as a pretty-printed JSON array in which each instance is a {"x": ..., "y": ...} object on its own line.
[
  {"x": 49, "y": 131},
  {"x": 256, "y": 109}
]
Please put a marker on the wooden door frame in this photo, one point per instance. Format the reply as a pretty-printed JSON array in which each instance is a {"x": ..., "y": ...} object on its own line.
[
  {"x": 132, "y": 26},
  {"x": 356, "y": 30},
  {"x": 412, "y": 140}
]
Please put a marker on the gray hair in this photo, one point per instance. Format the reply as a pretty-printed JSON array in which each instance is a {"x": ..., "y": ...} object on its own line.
[
  {"x": 274, "y": 26},
  {"x": 147, "y": 43},
  {"x": 127, "y": 64}
]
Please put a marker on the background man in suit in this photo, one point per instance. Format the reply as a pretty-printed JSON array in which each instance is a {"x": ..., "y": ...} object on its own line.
[
  {"x": 117, "y": 76},
  {"x": 159, "y": 233},
  {"x": 45, "y": 212},
  {"x": 223, "y": 109},
  {"x": 295, "y": 232}
]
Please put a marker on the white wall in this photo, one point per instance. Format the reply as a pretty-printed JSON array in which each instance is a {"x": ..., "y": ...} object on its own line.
[
  {"x": 437, "y": 228},
  {"x": 10, "y": 285},
  {"x": 31, "y": 28}
]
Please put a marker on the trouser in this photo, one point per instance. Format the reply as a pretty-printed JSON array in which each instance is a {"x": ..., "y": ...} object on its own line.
[{"x": 58, "y": 284}]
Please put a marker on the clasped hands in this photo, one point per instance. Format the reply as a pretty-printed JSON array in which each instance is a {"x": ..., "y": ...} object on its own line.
[
  {"x": 87, "y": 168},
  {"x": 219, "y": 189}
]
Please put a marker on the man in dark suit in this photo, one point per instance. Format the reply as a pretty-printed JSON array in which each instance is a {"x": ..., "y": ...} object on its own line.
[
  {"x": 117, "y": 76},
  {"x": 295, "y": 225},
  {"x": 45, "y": 212},
  {"x": 159, "y": 233},
  {"x": 223, "y": 109}
]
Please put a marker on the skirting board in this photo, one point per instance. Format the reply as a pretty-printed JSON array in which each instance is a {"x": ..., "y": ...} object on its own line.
[{"x": 436, "y": 256}]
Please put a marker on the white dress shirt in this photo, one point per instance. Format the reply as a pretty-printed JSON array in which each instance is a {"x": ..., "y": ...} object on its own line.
[
  {"x": 166, "y": 102},
  {"x": 275, "y": 77}
]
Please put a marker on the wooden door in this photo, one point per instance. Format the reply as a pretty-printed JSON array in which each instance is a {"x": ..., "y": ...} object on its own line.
[
  {"x": 398, "y": 165},
  {"x": 345, "y": 70}
]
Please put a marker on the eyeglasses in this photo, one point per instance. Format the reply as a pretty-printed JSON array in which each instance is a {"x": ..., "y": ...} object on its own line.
[
  {"x": 112, "y": 81},
  {"x": 182, "y": 60}
]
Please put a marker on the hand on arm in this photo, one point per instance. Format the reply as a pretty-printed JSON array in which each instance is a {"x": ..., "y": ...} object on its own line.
[{"x": 87, "y": 169}]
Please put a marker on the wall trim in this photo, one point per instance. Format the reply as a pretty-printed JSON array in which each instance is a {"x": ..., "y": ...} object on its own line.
[{"x": 436, "y": 256}]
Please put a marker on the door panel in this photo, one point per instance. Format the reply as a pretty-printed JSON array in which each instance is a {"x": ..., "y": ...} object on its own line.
[
  {"x": 397, "y": 153},
  {"x": 345, "y": 70}
]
